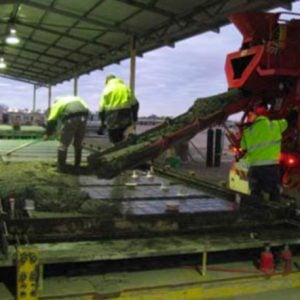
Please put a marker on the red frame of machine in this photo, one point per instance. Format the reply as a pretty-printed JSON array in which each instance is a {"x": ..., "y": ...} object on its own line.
[{"x": 268, "y": 66}]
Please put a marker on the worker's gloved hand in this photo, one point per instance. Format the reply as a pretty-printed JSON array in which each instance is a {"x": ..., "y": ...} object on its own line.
[{"x": 101, "y": 129}]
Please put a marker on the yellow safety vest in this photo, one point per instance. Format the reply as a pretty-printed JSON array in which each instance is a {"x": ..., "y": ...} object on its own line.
[
  {"x": 116, "y": 95},
  {"x": 262, "y": 141},
  {"x": 67, "y": 105}
]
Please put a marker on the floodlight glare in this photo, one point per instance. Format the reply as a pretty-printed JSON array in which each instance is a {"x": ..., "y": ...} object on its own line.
[
  {"x": 2, "y": 63},
  {"x": 12, "y": 38}
]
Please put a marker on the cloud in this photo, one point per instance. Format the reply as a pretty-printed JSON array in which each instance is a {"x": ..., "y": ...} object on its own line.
[{"x": 5, "y": 84}]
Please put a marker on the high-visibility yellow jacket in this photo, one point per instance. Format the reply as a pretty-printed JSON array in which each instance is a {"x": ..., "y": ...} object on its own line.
[
  {"x": 66, "y": 106},
  {"x": 116, "y": 95},
  {"x": 63, "y": 108},
  {"x": 262, "y": 141},
  {"x": 119, "y": 104}
]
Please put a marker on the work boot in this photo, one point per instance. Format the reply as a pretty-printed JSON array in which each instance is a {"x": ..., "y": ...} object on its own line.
[
  {"x": 61, "y": 160},
  {"x": 77, "y": 159}
]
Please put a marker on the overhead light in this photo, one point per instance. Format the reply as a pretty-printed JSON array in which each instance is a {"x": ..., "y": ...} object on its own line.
[
  {"x": 2, "y": 63},
  {"x": 12, "y": 38}
]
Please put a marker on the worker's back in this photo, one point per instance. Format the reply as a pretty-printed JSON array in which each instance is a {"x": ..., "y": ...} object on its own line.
[{"x": 262, "y": 141}]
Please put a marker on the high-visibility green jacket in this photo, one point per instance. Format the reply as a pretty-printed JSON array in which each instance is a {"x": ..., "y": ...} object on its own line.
[
  {"x": 116, "y": 95},
  {"x": 67, "y": 106},
  {"x": 262, "y": 141},
  {"x": 64, "y": 108},
  {"x": 118, "y": 104}
]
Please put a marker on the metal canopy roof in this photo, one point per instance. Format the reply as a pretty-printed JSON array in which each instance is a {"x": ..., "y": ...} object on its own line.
[{"x": 64, "y": 38}]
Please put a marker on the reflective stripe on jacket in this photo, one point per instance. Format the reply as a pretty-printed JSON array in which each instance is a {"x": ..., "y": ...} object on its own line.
[
  {"x": 262, "y": 141},
  {"x": 67, "y": 106},
  {"x": 116, "y": 95}
]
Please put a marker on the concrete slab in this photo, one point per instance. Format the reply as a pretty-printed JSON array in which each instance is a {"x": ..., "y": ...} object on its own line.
[{"x": 33, "y": 150}]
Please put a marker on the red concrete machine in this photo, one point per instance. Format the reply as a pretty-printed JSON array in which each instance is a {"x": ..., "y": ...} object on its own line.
[{"x": 268, "y": 65}]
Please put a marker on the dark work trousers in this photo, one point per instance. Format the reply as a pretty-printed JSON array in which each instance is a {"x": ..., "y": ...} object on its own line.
[
  {"x": 73, "y": 129},
  {"x": 116, "y": 135},
  {"x": 265, "y": 179}
]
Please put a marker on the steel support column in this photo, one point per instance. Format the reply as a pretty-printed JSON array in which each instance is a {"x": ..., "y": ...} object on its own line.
[
  {"x": 75, "y": 91},
  {"x": 49, "y": 96},
  {"x": 34, "y": 98},
  {"x": 132, "y": 63}
]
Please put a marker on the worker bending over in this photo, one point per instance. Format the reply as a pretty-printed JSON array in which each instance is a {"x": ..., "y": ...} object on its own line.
[
  {"x": 118, "y": 109},
  {"x": 262, "y": 143},
  {"x": 72, "y": 111}
]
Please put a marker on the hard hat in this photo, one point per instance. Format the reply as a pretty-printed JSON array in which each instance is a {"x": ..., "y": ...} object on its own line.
[
  {"x": 261, "y": 111},
  {"x": 109, "y": 77}
]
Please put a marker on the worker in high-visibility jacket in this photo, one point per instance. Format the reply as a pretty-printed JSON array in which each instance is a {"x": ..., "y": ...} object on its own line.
[
  {"x": 72, "y": 112},
  {"x": 261, "y": 142},
  {"x": 118, "y": 109}
]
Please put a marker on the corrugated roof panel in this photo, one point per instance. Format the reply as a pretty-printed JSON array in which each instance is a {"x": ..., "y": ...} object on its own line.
[
  {"x": 43, "y": 36},
  {"x": 179, "y": 6},
  {"x": 78, "y": 7},
  {"x": 29, "y": 14},
  {"x": 36, "y": 47},
  {"x": 5, "y": 11},
  {"x": 70, "y": 43},
  {"x": 29, "y": 54},
  {"x": 58, "y": 22},
  {"x": 87, "y": 31},
  {"x": 57, "y": 52},
  {"x": 23, "y": 31},
  {"x": 66, "y": 64},
  {"x": 91, "y": 49},
  {"x": 11, "y": 50},
  {"x": 46, "y": 2},
  {"x": 23, "y": 61},
  {"x": 58, "y": 68},
  {"x": 145, "y": 20},
  {"x": 114, "y": 39},
  {"x": 77, "y": 57},
  {"x": 2, "y": 31},
  {"x": 112, "y": 11},
  {"x": 37, "y": 70},
  {"x": 49, "y": 60}
]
